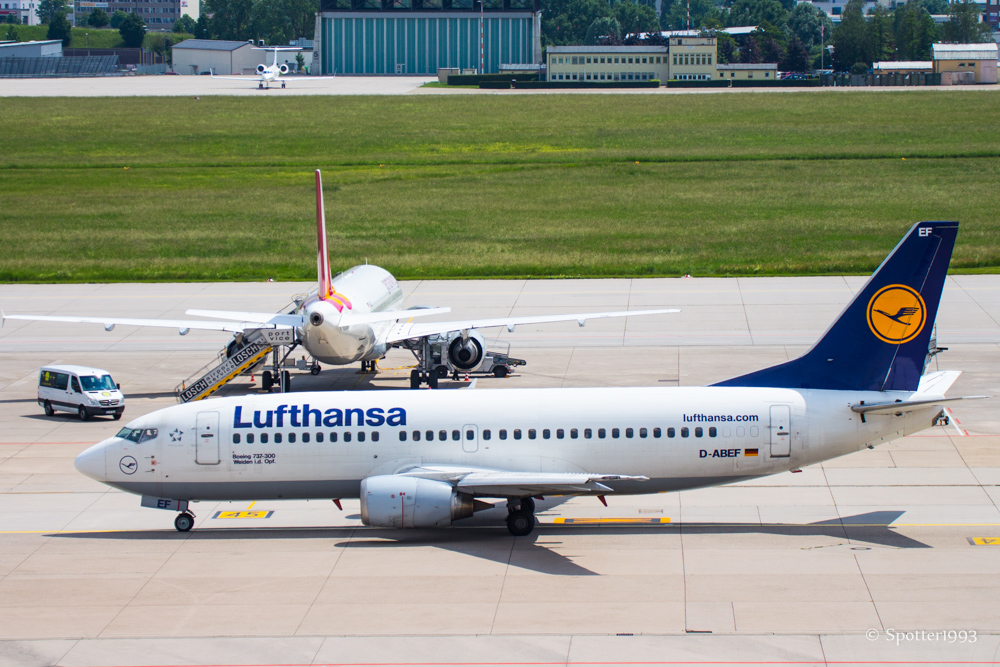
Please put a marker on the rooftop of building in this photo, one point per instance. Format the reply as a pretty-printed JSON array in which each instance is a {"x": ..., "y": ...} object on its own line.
[
  {"x": 607, "y": 49},
  {"x": 964, "y": 51},
  {"x": 211, "y": 44}
]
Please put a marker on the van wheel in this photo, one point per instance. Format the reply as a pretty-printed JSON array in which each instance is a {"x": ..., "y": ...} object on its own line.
[
  {"x": 48, "y": 409},
  {"x": 82, "y": 413},
  {"x": 118, "y": 415}
]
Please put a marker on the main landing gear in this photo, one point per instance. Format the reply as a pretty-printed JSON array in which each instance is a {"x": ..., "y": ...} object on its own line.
[
  {"x": 418, "y": 378},
  {"x": 521, "y": 516},
  {"x": 184, "y": 522},
  {"x": 369, "y": 366}
]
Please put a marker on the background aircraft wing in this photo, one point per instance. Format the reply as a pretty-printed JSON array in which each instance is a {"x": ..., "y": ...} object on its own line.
[
  {"x": 349, "y": 318},
  {"x": 501, "y": 483},
  {"x": 409, "y": 330},
  {"x": 250, "y": 318},
  {"x": 237, "y": 78},
  {"x": 110, "y": 322}
]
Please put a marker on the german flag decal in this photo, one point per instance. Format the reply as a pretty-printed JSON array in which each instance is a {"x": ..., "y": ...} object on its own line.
[{"x": 749, "y": 452}]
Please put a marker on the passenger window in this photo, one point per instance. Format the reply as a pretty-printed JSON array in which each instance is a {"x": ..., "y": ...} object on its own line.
[
  {"x": 416, "y": 436},
  {"x": 429, "y": 435},
  {"x": 347, "y": 436},
  {"x": 712, "y": 432},
  {"x": 573, "y": 433},
  {"x": 685, "y": 432},
  {"x": 486, "y": 434},
  {"x": 361, "y": 436},
  {"x": 546, "y": 433},
  {"x": 277, "y": 438},
  {"x": 305, "y": 437},
  {"x": 455, "y": 435},
  {"x": 470, "y": 434},
  {"x": 502, "y": 434},
  {"x": 517, "y": 434},
  {"x": 291, "y": 437},
  {"x": 249, "y": 438},
  {"x": 657, "y": 432},
  {"x": 560, "y": 433},
  {"x": 698, "y": 432},
  {"x": 588, "y": 433},
  {"x": 319, "y": 437},
  {"x": 263, "y": 438},
  {"x": 531, "y": 434},
  {"x": 642, "y": 433},
  {"x": 442, "y": 435},
  {"x": 628, "y": 432},
  {"x": 236, "y": 438},
  {"x": 671, "y": 432},
  {"x": 333, "y": 436},
  {"x": 375, "y": 436},
  {"x": 602, "y": 433},
  {"x": 402, "y": 436},
  {"x": 615, "y": 433}
]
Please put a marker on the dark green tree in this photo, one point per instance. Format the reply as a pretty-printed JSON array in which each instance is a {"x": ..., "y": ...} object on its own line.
[
  {"x": 796, "y": 57},
  {"x": 755, "y": 12},
  {"x": 726, "y": 49},
  {"x": 914, "y": 32},
  {"x": 805, "y": 21},
  {"x": 98, "y": 18},
  {"x": 879, "y": 45},
  {"x": 132, "y": 30},
  {"x": 185, "y": 24},
  {"x": 46, "y": 10},
  {"x": 566, "y": 22},
  {"x": 751, "y": 53},
  {"x": 634, "y": 18},
  {"x": 850, "y": 37},
  {"x": 59, "y": 28},
  {"x": 604, "y": 30},
  {"x": 117, "y": 18},
  {"x": 231, "y": 19},
  {"x": 203, "y": 28},
  {"x": 11, "y": 18},
  {"x": 964, "y": 26},
  {"x": 935, "y": 6},
  {"x": 704, "y": 14}
]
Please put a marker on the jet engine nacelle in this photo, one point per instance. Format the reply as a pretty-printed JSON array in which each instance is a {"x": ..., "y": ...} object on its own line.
[
  {"x": 283, "y": 69},
  {"x": 260, "y": 69},
  {"x": 468, "y": 354},
  {"x": 397, "y": 501}
]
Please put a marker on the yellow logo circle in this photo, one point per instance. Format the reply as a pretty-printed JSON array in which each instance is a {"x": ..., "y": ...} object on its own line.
[{"x": 896, "y": 314}]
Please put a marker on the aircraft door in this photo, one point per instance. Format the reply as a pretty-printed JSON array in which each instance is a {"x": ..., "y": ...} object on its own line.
[
  {"x": 780, "y": 431},
  {"x": 470, "y": 438},
  {"x": 207, "y": 439}
]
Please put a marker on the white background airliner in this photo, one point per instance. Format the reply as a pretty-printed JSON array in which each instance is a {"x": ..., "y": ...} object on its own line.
[
  {"x": 267, "y": 74},
  {"x": 357, "y": 316},
  {"x": 425, "y": 459}
]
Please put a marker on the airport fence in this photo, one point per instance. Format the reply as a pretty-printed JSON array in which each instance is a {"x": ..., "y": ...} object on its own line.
[{"x": 20, "y": 68}]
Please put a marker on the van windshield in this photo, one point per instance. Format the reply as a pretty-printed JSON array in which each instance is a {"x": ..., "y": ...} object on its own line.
[{"x": 94, "y": 383}]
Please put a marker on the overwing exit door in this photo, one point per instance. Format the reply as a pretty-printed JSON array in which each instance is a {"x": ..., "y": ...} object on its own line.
[
  {"x": 470, "y": 438},
  {"x": 780, "y": 431},
  {"x": 206, "y": 438}
]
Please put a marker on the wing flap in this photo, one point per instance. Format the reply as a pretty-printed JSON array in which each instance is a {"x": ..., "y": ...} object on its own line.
[
  {"x": 111, "y": 322},
  {"x": 248, "y": 317},
  {"x": 501, "y": 483},
  {"x": 349, "y": 319}
]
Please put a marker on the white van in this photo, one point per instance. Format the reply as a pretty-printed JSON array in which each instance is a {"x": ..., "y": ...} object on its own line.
[{"x": 80, "y": 389}]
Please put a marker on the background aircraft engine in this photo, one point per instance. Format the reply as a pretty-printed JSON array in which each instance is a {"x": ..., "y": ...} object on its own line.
[
  {"x": 283, "y": 69},
  {"x": 397, "y": 501},
  {"x": 466, "y": 355},
  {"x": 260, "y": 69}
]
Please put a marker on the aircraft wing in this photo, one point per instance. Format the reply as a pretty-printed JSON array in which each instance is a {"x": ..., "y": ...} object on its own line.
[
  {"x": 501, "y": 483},
  {"x": 409, "y": 330},
  {"x": 237, "y": 78},
  {"x": 349, "y": 318},
  {"x": 110, "y": 322},
  {"x": 250, "y": 318}
]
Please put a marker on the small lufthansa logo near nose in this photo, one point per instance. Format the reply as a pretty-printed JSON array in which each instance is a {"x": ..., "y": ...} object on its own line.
[
  {"x": 128, "y": 465},
  {"x": 896, "y": 314}
]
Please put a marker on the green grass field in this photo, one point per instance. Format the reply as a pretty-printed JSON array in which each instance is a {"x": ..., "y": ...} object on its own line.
[{"x": 475, "y": 186}]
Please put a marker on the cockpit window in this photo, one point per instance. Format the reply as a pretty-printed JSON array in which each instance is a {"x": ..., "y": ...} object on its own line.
[
  {"x": 94, "y": 383},
  {"x": 137, "y": 434}
]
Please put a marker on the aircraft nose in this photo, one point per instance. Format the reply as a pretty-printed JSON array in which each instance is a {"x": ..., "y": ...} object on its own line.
[{"x": 91, "y": 463}]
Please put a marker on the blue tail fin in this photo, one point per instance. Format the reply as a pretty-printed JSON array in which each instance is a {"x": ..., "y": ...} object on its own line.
[{"x": 880, "y": 341}]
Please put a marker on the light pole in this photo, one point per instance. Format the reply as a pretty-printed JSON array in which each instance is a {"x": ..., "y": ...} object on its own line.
[{"x": 482, "y": 57}]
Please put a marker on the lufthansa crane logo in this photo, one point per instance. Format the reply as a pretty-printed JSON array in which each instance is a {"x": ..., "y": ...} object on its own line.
[
  {"x": 896, "y": 314},
  {"x": 128, "y": 465}
]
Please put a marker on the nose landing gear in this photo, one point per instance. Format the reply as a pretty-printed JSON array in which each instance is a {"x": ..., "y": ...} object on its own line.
[{"x": 184, "y": 522}]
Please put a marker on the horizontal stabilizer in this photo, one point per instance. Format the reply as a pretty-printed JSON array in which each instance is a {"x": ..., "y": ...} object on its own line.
[{"x": 900, "y": 407}]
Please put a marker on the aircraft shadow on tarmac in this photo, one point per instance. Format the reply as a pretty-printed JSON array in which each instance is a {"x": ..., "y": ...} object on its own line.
[{"x": 533, "y": 552}]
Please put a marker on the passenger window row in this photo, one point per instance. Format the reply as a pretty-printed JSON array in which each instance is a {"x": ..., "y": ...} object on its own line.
[{"x": 319, "y": 436}]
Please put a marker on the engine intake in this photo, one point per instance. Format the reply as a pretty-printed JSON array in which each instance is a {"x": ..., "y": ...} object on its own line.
[
  {"x": 260, "y": 69},
  {"x": 283, "y": 69},
  {"x": 467, "y": 355},
  {"x": 397, "y": 501}
]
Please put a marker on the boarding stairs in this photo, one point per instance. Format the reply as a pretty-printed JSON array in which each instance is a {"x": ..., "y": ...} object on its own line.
[{"x": 257, "y": 343}]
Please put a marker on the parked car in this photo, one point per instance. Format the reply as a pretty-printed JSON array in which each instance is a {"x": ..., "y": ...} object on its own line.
[{"x": 84, "y": 390}]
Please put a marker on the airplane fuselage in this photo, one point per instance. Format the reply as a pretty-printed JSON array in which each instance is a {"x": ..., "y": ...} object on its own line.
[
  {"x": 322, "y": 445},
  {"x": 357, "y": 291}
]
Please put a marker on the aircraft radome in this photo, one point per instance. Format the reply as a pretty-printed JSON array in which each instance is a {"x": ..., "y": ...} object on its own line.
[{"x": 420, "y": 459}]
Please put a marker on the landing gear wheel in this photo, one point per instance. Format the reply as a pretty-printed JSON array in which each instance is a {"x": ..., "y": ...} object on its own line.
[
  {"x": 184, "y": 522},
  {"x": 48, "y": 409},
  {"x": 414, "y": 379},
  {"x": 266, "y": 380},
  {"x": 520, "y": 523},
  {"x": 432, "y": 381},
  {"x": 81, "y": 412},
  {"x": 501, "y": 372},
  {"x": 314, "y": 369},
  {"x": 286, "y": 381},
  {"x": 528, "y": 504},
  {"x": 441, "y": 371}
]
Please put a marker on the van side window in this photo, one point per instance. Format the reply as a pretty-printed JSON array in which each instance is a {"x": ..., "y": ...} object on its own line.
[
  {"x": 75, "y": 384},
  {"x": 53, "y": 380}
]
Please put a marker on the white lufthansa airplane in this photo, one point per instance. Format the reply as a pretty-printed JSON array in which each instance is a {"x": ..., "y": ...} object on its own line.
[
  {"x": 423, "y": 459},
  {"x": 267, "y": 74},
  {"x": 356, "y": 316}
]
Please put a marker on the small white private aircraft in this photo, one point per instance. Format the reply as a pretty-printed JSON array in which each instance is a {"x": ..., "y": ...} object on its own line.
[{"x": 267, "y": 74}]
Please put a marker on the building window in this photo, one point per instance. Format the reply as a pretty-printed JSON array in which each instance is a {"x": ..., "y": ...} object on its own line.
[
  {"x": 616, "y": 60},
  {"x": 709, "y": 58},
  {"x": 767, "y": 74},
  {"x": 643, "y": 61},
  {"x": 588, "y": 61}
]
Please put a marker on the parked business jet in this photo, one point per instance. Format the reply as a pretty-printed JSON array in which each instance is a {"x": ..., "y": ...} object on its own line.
[
  {"x": 423, "y": 459},
  {"x": 267, "y": 74},
  {"x": 356, "y": 316}
]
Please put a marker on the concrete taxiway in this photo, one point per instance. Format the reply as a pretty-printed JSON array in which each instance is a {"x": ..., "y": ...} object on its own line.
[{"x": 888, "y": 555}]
